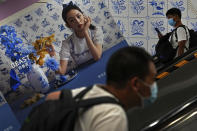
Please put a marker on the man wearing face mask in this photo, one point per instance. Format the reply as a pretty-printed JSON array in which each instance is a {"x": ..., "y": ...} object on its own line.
[
  {"x": 180, "y": 36},
  {"x": 130, "y": 80}
]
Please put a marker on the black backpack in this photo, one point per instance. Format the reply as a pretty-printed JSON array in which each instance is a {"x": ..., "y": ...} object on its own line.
[
  {"x": 60, "y": 115},
  {"x": 164, "y": 50}
]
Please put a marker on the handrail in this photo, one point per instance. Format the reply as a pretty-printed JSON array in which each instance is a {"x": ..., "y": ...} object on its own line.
[
  {"x": 177, "y": 63},
  {"x": 173, "y": 116}
]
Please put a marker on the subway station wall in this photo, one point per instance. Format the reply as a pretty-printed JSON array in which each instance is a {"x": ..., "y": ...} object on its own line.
[{"x": 138, "y": 18}]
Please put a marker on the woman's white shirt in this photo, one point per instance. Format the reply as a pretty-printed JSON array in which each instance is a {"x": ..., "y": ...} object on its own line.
[{"x": 77, "y": 47}]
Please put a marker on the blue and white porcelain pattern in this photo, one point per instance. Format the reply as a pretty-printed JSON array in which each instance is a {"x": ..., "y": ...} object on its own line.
[
  {"x": 138, "y": 20},
  {"x": 38, "y": 80}
]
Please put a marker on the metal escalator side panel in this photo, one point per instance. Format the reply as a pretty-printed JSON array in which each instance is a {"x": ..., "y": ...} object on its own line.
[{"x": 176, "y": 117}]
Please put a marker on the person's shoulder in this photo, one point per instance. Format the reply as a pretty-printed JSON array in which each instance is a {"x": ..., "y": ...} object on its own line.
[
  {"x": 97, "y": 92},
  {"x": 77, "y": 91},
  {"x": 110, "y": 108},
  {"x": 104, "y": 110},
  {"x": 181, "y": 28}
]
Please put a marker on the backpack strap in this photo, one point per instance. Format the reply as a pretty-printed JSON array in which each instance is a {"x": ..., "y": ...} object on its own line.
[
  {"x": 64, "y": 93},
  {"x": 67, "y": 93},
  {"x": 95, "y": 101},
  {"x": 83, "y": 92},
  {"x": 88, "y": 103},
  {"x": 176, "y": 32},
  {"x": 187, "y": 36}
]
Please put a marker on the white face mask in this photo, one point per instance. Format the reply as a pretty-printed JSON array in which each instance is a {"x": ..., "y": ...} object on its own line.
[{"x": 152, "y": 98}]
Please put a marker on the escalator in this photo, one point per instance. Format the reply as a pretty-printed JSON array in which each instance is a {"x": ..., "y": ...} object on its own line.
[
  {"x": 164, "y": 69},
  {"x": 175, "y": 89},
  {"x": 183, "y": 118}
]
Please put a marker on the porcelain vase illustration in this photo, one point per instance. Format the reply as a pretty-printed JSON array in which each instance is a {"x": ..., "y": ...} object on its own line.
[{"x": 38, "y": 79}]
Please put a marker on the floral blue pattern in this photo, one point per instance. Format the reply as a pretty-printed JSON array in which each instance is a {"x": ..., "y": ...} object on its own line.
[
  {"x": 104, "y": 30},
  {"x": 112, "y": 24},
  {"x": 97, "y": 20},
  {"x": 137, "y": 6},
  {"x": 91, "y": 10},
  {"x": 107, "y": 14},
  {"x": 45, "y": 23},
  {"x": 55, "y": 16},
  {"x": 137, "y": 43},
  {"x": 118, "y": 6},
  {"x": 34, "y": 27},
  {"x": 121, "y": 26},
  {"x": 137, "y": 27},
  {"x": 178, "y": 4},
  {"x": 29, "y": 17},
  {"x": 18, "y": 23},
  {"x": 50, "y": 31},
  {"x": 50, "y": 7},
  {"x": 61, "y": 27},
  {"x": 60, "y": 2},
  {"x": 158, "y": 7},
  {"x": 101, "y": 5},
  {"x": 85, "y": 2},
  {"x": 107, "y": 39},
  {"x": 159, "y": 25},
  {"x": 66, "y": 35},
  {"x": 118, "y": 35},
  {"x": 39, "y": 12},
  {"x": 24, "y": 35},
  {"x": 43, "y": 82}
]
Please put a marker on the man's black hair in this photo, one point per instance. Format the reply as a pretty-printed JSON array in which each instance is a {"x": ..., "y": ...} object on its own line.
[
  {"x": 71, "y": 6},
  {"x": 174, "y": 11},
  {"x": 126, "y": 63}
]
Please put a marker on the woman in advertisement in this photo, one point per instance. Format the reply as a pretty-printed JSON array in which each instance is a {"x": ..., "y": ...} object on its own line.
[{"x": 84, "y": 43}]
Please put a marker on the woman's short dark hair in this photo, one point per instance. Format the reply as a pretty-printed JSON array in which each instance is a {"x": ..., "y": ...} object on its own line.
[
  {"x": 71, "y": 6},
  {"x": 126, "y": 63},
  {"x": 174, "y": 11}
]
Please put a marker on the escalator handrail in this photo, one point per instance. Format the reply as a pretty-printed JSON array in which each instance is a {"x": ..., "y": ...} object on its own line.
[
  {"x": 176, "y": 63},
  {"x": 172, "y": 115},
  {"x": 177, "y": 59}
]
